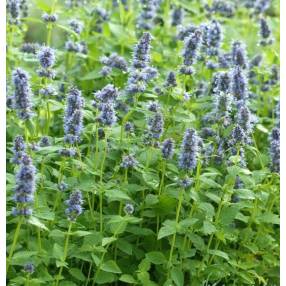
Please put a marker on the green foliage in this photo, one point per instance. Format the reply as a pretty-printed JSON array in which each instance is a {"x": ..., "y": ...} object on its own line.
[{"x": 212, "y": 232}]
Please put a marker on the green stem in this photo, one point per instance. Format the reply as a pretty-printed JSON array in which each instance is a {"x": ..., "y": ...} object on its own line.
[
  {"x": 101, "y": 182},
  {"x": 15, "y": 239},
  {"x": 181, "y": 196},
  {"x": 65, "y": 254},
  {"x": 104, "y": 253},
  {"x": 159, "y": 192},
  {"x": 48, "y": 116}
]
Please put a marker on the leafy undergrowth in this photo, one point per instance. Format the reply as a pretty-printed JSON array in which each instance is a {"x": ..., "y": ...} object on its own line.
[{"x": 142, "y": 142}]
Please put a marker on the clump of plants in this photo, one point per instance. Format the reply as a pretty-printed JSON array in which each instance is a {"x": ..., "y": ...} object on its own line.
[{"x": 143, "y": 142}]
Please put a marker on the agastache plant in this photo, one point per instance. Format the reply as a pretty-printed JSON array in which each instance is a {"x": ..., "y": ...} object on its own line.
[
  {"x": 177, "y": 16},
  {"x": 25, "y": 187},
  {"x": 265, "y": 33},
  {"x": 274, "y": 149},
  {"x": 19, "y": 149},
  {"x": 189, "y": 150},
  {"x": 190, "y": 52},
  {"x": 73, "y": 117},
  {"x": 167, "y": 148},
  {"x": 239, "y": 55},
  {"x": 140, "y": 72},
  {"x": 22, "y": 94},
  {"x": 211, "y": 37},
  {"x": 74, "y": 205}
]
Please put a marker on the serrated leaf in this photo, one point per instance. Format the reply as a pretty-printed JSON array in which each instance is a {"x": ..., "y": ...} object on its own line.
[
  {"x": 168, "y": 228},
  {"x": 116, "y": 195},
  {"x": 76, "y": 273},
  {"x": 156, "y": 257},
  {"x": 58, "y": 251},
  {"x": 80, "y": 233},
  {"x": 110, "y": 266},
  {"x": 208, "y": 228},
  {"x": 36, "y": 222},
  {"x": 127, "y": 279},
  {"x": 107, "y": 240},
  {"x": 219, "y": 253},
  {"x": 177, "y": 276}
]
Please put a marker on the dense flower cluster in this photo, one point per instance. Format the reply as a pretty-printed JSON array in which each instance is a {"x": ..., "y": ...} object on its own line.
[
  {"x": 113, "y": 61},
  {"x": 275, "y": 149},
  {"x": 73, "y": 120},
  {"x": 190, "y": 52},
  {"x": 19, "y": 149},
  {"x": 25, "y": 187},
  {"x": 74, "y": 205},
  {"x": 168, "y": 148},
  {"x": 22, "y": 95},
  {"x": 189, "y": 150},
  {"x": 128, "y": 161},
  {"x": 141, "y": 72}
]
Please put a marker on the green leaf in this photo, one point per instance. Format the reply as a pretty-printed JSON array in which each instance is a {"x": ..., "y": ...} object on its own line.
[
  {"x": 36, "y": 222},
  {"x": 197, "y": 241},
  {"x": 269, "y": 218},
  {"x": 127, "y": 279},
  {"x": 58, "y": 251},
  {"x": 125, "y": 246},
  {"x": 116, "y": 195},
  {"x": 103, "y": 277},
  {"x": 169, "y": 228},
  {"x": 107, "y": 240},
  {"x": 177, "y": 276},
  {"x": 151, "y": 179},
  {"x": 144, "y": 265},
  {"x": 228, "y": 214},
  {"x": 219, "y": 253},
  {"x": 76, "y": 273},
  {"x": 156, "y": 257},
  {"x": 22, "y": 257},
  {"x": 92, "y": 75},
  {"x": 110, "y": 266},
  {"x": 208, "y": 228},
  {"x": 81, "y": 233}
]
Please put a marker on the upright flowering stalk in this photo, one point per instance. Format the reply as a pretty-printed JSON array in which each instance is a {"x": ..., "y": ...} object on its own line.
[
  {"x": 223, "y": 102},
  {"x": 245, "y": 119},
  {"x": 239, "y": 55},
  {"x": 106, "y": 99},
  {"x": 265, "y": 33},
  {"x": 73, "y": 116},
  {"x": 113, "y": 61},
  {"x": 211, "y": 38},
  {"x": 25, "y": 187},
  {"x": 177, "y": 16},
  {"x": 167, "y": 148},
  {"x": 147, "y": 15},
  {"x": 274, "y": 150},
  {"x": 128, "y": 161},
  {"x": 22, "y": 94},
  {"x": 156, "y": 125},
  {"x": 74, "y": 205},
  {"x": 239, "y": 84},
  {"x": 171, "y": 80},
  {"x": 14, "y": 11},
  {"x": 140, "y": 72},
  {"x": 190, "y": 52},
  {"x": 237, "y": 143},
  {"x": 189, "y": 151},
  {"x": 47, "y": 58},
  {"x": 19, "y": 149},
  {"x": 221, "y": 83},
  {"x": 73, "y": 210}
]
